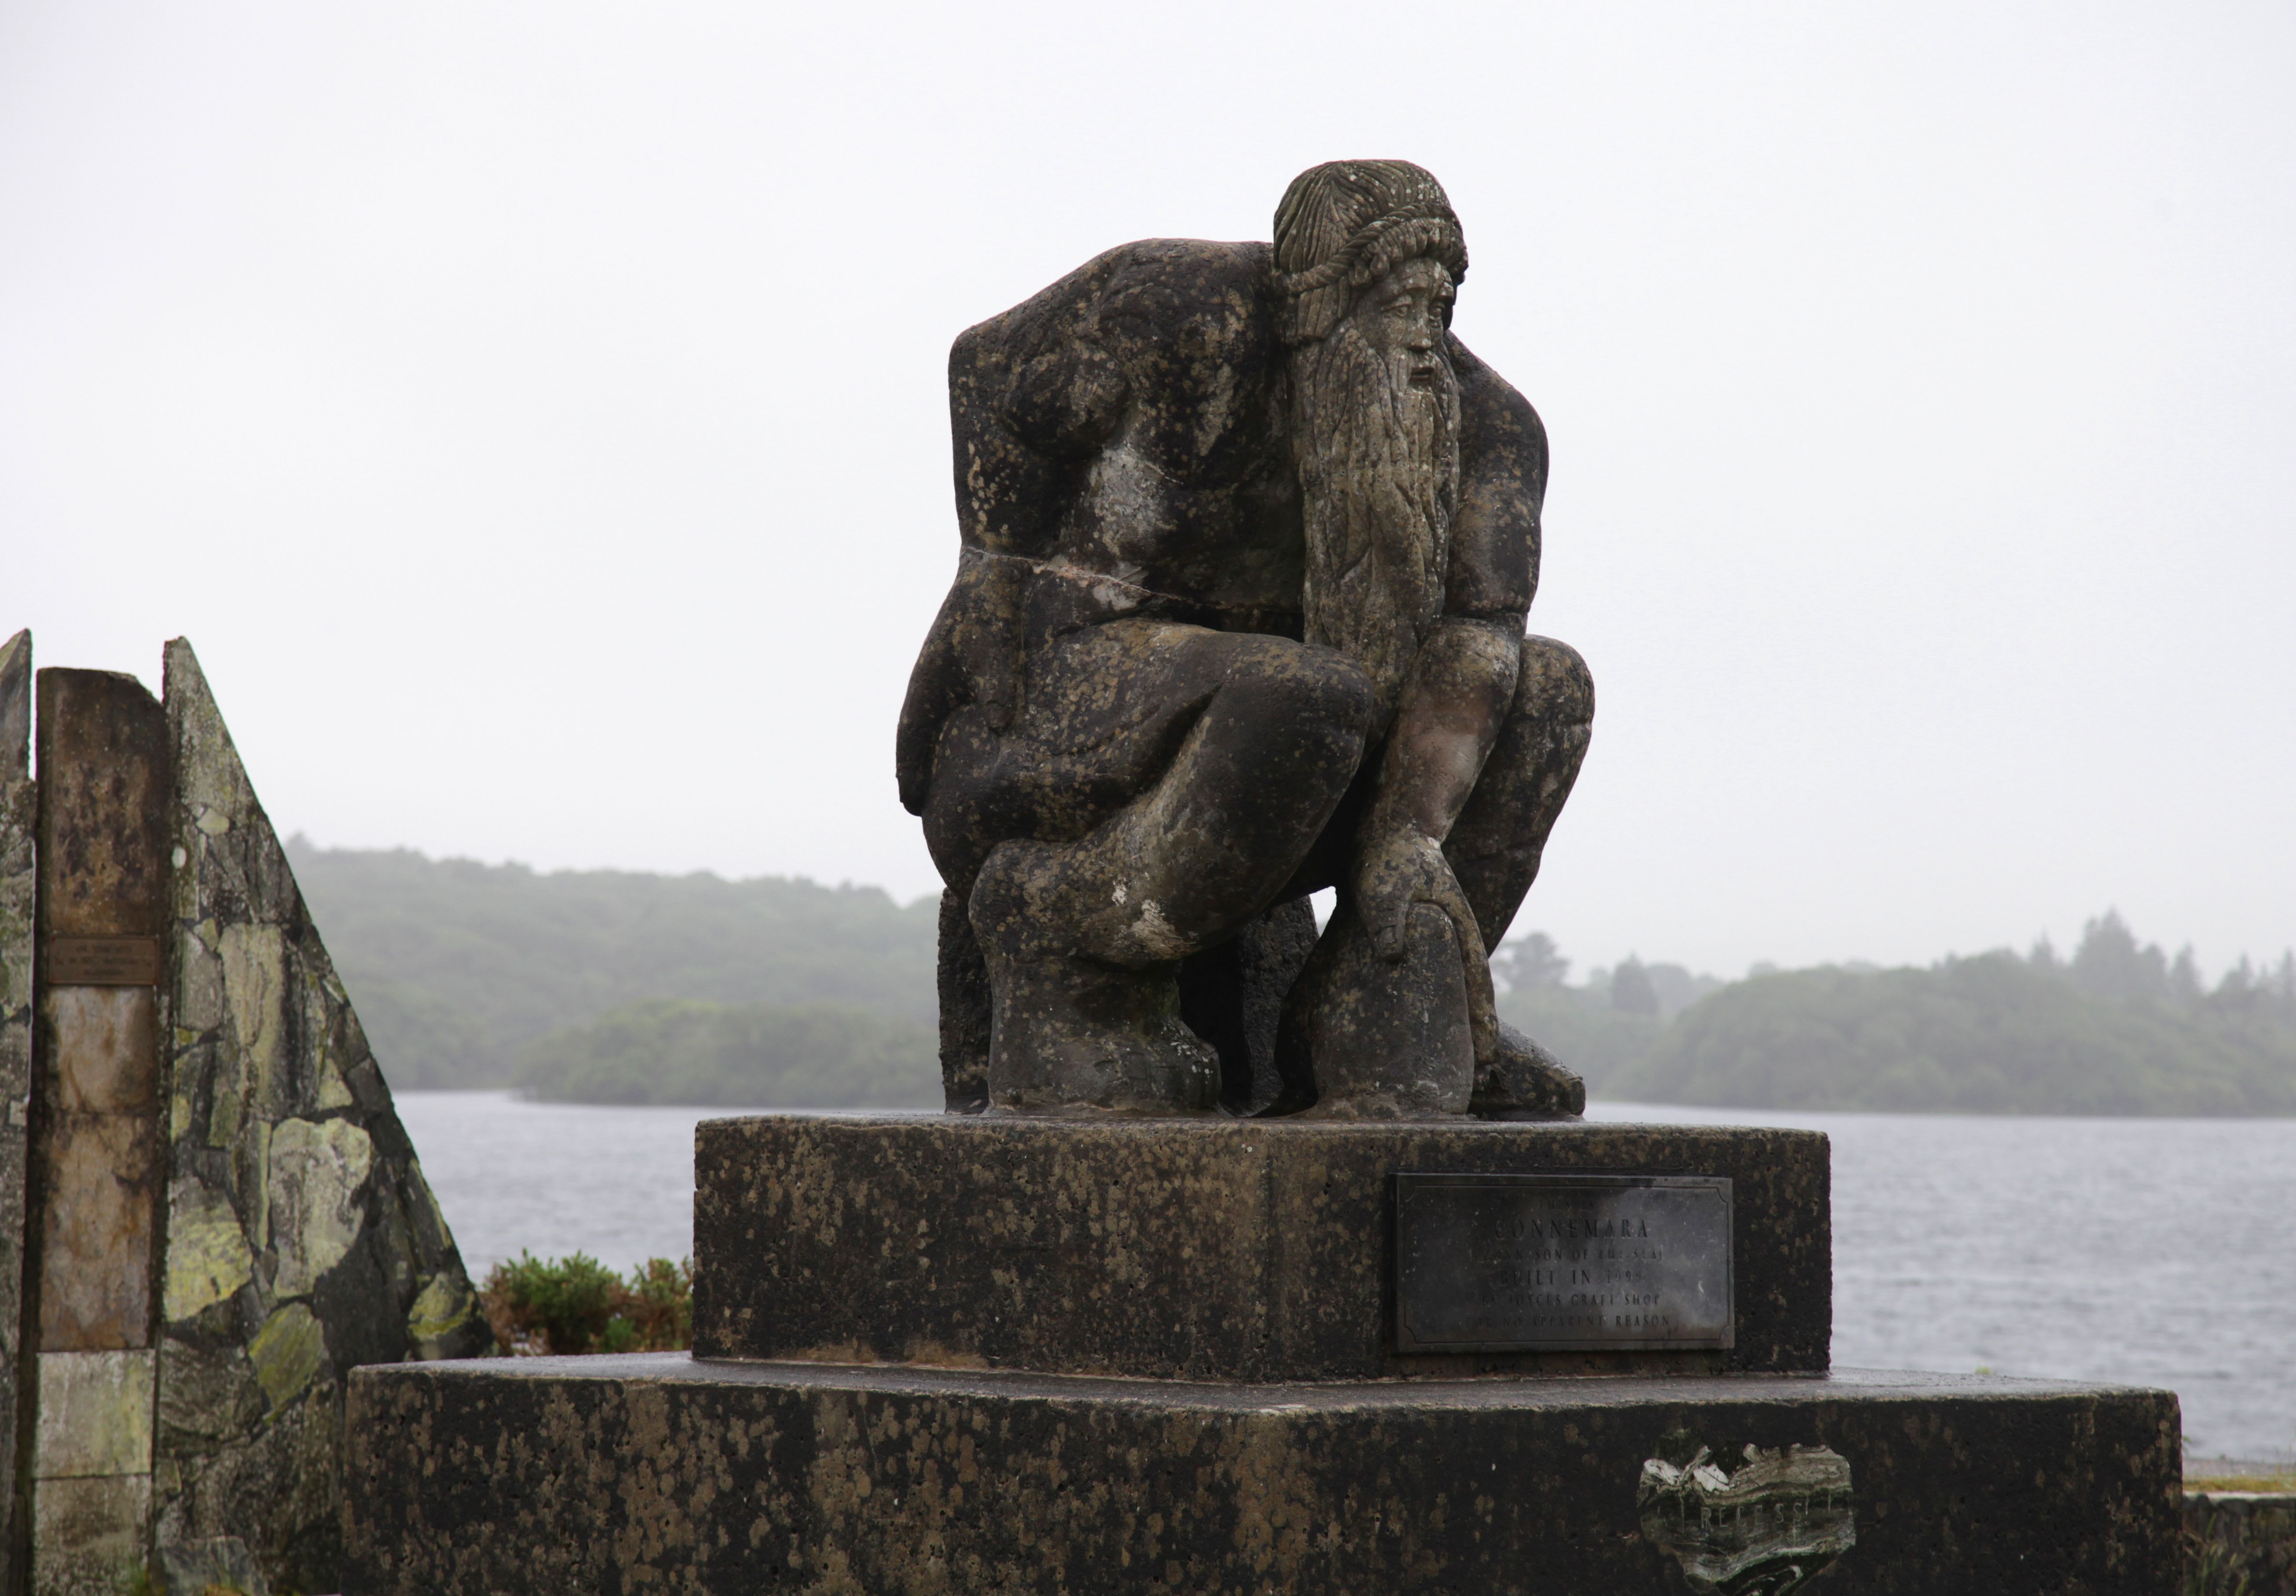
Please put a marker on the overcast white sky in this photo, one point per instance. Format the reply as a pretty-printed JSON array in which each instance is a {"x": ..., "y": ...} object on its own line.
[{"x": 534, "y": 414}]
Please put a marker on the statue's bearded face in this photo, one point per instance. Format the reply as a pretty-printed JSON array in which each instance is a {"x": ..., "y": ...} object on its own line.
[
  {"x": 1403, "y": 315},
  {"x": 1375, "y": 434}
]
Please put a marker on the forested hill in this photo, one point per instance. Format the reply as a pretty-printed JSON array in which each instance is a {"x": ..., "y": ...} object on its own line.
[
  {"x": 616, "y": 986},
  {"x": 2119, "y": 1028},
  {"x": 456, "y": 967}
]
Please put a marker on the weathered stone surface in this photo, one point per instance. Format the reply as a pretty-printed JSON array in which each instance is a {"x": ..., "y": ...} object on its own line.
[
  {"x": 319, "y": 1172},
  {"x": 19, "y": 884},
  {"x": 104, "y": 773},
  {"x": 97, "y": 1163},
  {"x": 207, "y": 1255},
  {"x": 664, "y": 1474},
  {"x": 302, "y": 1237},
  {"x": 100, "y": 1165},
  {"x": 107, "y": 1054},
  {"x": 444, "y": 1318},
  {"x": 208, "y": 1397},
  {"x": 288, "y": 1352},
  {"x": 1245, "y": 1249},
  {"x": 1248, "y": 541},
  {"x": 96, "y": 1414},
  {"x": 229, "y": 1119},
  {"x": 222, "y": 1566},
  {"x": 285, "y": 1475},
  {"x": 100, "y": 1179},
  {"x": 90, "y": 1537}
]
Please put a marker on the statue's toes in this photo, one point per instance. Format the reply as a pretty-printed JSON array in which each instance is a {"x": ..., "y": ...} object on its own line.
[{"x": 1524, "y": 1081}]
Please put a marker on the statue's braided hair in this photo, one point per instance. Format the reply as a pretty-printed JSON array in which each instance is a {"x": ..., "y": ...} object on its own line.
[{"x": 1348, "y": 223}]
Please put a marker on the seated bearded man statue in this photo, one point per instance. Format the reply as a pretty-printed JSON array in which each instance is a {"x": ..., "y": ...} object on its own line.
[{"x": 1250, "y": 540}]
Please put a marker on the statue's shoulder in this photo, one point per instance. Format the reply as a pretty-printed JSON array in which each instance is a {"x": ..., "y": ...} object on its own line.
[
  {"x": 1497, "y": 425},
  {"x": 1180, "y": 298},
  {"x": 1151, "y": 292},
  {"x": 1162, "y": 318}
]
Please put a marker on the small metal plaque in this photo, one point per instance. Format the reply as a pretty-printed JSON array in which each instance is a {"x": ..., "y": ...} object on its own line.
[
  {"x": 1561, "y": 1263},
  {"x": 103, "y": 962}
]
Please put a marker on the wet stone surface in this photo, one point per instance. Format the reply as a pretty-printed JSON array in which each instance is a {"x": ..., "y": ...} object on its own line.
[
  {"x": 19, "y": 819},
  {"x": 302, "y": 1238},
  {"x": 665, "y": 1474},
  {"x": 1247, "y": 544},
  {"x": 1254, "y": 1249}
]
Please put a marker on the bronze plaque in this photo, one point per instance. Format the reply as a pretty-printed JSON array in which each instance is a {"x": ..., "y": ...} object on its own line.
[
  {"x": 103, "y": 962},
  {"x": 1561, "y": 1263}
]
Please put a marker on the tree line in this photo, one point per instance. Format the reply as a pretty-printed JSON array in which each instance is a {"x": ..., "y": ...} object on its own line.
[
  {"x": 2119, "y": 1027},
  {"x": 619, "y": 986}
]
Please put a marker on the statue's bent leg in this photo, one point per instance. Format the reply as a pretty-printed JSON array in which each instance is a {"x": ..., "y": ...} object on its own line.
[
  {"x": 961, "y": 980},
  {"x": 1083, "y": 936},
  {"x": 1494, "y": 849},
  {"x": 1232, "y": 995}
]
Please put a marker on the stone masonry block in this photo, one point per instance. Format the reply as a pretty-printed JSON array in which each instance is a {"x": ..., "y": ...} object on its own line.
[
  {"x": 106, "y": 1050},
  {"x": 96, "y": 1414},
  {"x": 92, "y": 1536},
  {"x": 102, "y": 1192}
]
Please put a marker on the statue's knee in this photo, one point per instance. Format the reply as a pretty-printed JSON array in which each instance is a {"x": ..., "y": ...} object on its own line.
[
  {"x": 1304, "y": 688},
  {"x": 1555, "y": 684}
]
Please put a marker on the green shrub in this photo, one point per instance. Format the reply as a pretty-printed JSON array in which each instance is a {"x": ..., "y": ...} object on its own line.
[{"x": 565, "y": 1306}]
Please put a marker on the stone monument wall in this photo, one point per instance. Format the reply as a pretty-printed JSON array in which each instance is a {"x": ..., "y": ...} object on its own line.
[
  {"x": 226, "y": 1215},
  {"x": 96, "y": 1155},
  {"x": 18, "y": 815}
]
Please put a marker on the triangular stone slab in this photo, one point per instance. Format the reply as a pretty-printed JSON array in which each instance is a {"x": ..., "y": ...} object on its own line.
[{"x": 301, "y": 1237}]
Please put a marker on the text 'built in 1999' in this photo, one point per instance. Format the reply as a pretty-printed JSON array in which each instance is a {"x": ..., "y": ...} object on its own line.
[{"x": 1516, "y": 1262}]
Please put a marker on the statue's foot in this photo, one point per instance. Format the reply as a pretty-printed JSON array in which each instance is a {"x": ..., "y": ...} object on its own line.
[
  {"x": 1524, "y": 1081},
  {"x": 1075, "y": 1038},
  {"x": 1071, "y": 1035},
  {"x": 1384, "y": 1041}
]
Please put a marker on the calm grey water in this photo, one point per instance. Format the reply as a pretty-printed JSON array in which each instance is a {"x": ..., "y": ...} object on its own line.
[{"x": 2144, "y": 1251}]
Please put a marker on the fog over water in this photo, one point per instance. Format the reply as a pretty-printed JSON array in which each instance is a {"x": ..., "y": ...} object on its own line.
[
  {"x": 534, "y": 415},
  {"x": 2141, "y": 1252}
]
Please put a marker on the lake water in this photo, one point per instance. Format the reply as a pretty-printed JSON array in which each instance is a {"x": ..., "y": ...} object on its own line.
[{"x": 2157, "y": 1252}]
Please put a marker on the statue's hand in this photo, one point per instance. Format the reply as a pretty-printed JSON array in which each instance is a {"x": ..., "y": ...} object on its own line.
[
  {"x": 1398, "y": 869},
  {"x": 1395, "y": 869}
]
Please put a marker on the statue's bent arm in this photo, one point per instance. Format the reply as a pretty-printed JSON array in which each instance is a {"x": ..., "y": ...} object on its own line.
[
  {"x": 1457, "y": 701},
  {"x": 1495, "y": 537},
  {"x": 1031, "y": 396}
]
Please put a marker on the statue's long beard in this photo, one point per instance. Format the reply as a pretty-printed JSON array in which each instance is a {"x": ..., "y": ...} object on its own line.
[{"x": 1379, "y": 481}]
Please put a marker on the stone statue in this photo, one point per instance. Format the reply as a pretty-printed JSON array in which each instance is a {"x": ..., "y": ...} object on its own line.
[{"x": 1249, "y": 539}]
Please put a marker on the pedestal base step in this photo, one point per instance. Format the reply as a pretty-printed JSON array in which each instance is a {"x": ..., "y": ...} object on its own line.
[
  {"x": 662, "y": 1473},
  {"x": 1238, "y": 1249}
]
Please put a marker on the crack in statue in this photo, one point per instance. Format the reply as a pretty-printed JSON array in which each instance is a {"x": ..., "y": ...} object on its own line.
[{"x": 1248, "y": 541}]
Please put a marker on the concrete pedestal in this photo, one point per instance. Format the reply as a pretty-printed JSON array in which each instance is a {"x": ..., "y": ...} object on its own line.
[
  {"x": 663, "y": 1473},
  {"x": 1223, "y": 1249},
  {"x": 942, "y": 1355}
]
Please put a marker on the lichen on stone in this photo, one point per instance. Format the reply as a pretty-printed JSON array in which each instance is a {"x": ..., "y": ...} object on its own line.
[
  {"x": 318, "y": 1173},
  {"x": 443, "y": 1308},
  {"x": 208, "y": 1256},
  {"x": 287, "y": 1353}
]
